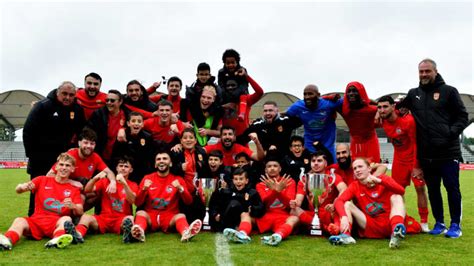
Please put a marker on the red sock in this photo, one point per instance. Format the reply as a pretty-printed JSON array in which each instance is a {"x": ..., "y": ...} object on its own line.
[
  {"x": 59, "y": 233},
  {"x": 306, "y": 218},
  {"x": 13, "y": 236},
  {"x": 141, "y": 221},
  {"x": 423, "y": 214},
  {"x": 181, "y": 225},
  {"x": 397, "y": 219},
  {"x": 82, "y": 229},
  {"x": 348, "y": 231},
  {"x": 245, "y": 227},
  {"x": 284, "y": 230}
]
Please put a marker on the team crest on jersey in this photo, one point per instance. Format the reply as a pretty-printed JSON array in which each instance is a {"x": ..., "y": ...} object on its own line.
[
  {"x": 122, "y": 122},
  {"x": 67, "y": 193},
  {"x": 436, "y": 96},
  {"x": 200, "y": 157},
  {"x": 375, "y": 194},
  {"x": 280, "y": 128},
  {"x": 98, "y": 101},
  {"x": 142, "y": 142},
  {"x": 90, "y": 167},
  {"x": 306, "y": 161},
  {"x": 169, "y": 189},
  {"x": 71, "y": 115},
  {"x": 398, "y": 130},
  {"x": 247, "y": 196}
]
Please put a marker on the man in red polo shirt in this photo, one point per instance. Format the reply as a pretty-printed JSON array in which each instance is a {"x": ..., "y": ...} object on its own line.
[{"x": 229, "y": 148}]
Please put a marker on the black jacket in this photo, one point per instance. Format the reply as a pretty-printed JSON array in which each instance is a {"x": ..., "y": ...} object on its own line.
[
  {"x": 277, "y": 133},
  {"x": 49, "y": 130},
  {"x": 440, "y": 117},
  {"x": 142, "y": 149},
  {"x": 247, "y": 197}
]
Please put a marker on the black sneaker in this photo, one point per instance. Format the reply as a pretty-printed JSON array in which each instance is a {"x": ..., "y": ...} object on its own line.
[
  {"x": 127, "y": 230},
  {"x": 71, "y": 229}
]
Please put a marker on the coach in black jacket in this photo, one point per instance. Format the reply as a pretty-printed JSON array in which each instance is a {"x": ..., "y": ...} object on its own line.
[
  {"x": 440, "y": 117},
  {"x": 49, "y": 130}
]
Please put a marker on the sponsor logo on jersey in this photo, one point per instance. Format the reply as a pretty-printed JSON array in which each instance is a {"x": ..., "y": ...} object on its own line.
[
  {"x": 374, "y": 208},
  {"x": 117, "y": 204},
  {"x": 159, "y": 203},
  {"x": 53, "y": 205},
  {"x": 276, "y": 204}
]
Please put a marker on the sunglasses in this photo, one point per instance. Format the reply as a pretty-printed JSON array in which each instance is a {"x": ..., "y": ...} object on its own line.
[{"x": 110, "y": 100}]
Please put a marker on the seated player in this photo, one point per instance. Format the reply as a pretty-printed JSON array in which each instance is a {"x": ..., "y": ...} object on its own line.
[
  {"x": 159, "y": 193},
  {"x": 55, "y": 200},
  {"x": 303, "y": 207},
  {"x": 276, "y": 192},
  {"x": 116, "y": 208},
  {"x": 239, "y": 205},
  {"x": 377, "y": 207}
]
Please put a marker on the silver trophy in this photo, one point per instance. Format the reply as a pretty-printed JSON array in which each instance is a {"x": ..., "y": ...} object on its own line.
[
  {"x": 208, "y": 186},
  {"x": 314, "y": 184}
]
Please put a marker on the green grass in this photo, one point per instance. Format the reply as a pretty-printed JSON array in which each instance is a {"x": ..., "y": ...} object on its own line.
[{"x": 298, "y": 249}]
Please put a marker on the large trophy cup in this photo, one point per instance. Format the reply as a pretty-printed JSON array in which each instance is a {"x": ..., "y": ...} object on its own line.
[
  {"x": 314, "y": 184},
  {"x": 208, "y": 186}
]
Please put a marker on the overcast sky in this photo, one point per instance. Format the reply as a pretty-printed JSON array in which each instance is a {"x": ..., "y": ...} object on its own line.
[{"x": 284, "y": 46}]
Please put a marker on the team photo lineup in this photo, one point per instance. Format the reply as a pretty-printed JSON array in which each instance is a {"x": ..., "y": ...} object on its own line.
[{"x": 146, "y": 160}]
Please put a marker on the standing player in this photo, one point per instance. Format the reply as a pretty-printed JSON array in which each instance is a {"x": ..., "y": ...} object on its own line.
[
  {"x": 91, "y": 98},
  {"x": 402, "y": 132},
  {"x": 359, "y": 114},
  {"x": 116, "y": 208},
  {"x": 378, "y": 207},
  {"x": 160, "y": 193},
  {"x": 56, "y": 199}
]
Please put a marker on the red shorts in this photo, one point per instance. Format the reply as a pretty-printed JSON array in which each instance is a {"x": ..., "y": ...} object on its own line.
[
  {"x": 41, "y": 226},
  {"x": 402, "y": 174},
  {"x": 271, "y": 221},
  {"x": 369, "y": 149},
  {"x": 109, "y": 223},
  {"x": 161, "y": 220},
  {"x": 326, "y": 218},
  {"x": 376, "y": 227}
]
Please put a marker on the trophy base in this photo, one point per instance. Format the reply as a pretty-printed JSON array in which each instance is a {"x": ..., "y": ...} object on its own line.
[
  {"x": 205, "y": 222},
  {"x": 315, "y": 232}
]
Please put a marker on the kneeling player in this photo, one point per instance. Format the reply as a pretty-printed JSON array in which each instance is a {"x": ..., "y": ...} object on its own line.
[
  {"x": 333, "y": 187},
  {"x": 116, "y": 208},
  {"x": 379, "y": 210},
  {"x": 240, "y": 204},
  {"x": 276, "y": 192},
  {"x": 160, "y": 193},
  {"x": 55, "y": 200}
]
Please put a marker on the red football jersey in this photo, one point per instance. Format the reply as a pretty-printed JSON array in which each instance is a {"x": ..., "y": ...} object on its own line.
[
  {"x": 115, "y": 203},
  {"x": 161, "y": 196},
  {"x": 50, "y": 195},
  {"x": 229, "y": 155},
  {"x": 274, "y": 201},
  {"x": 90, "y": 104},
  {"x": 402, "y": 133},
  {"x": 346, "y": 175},
  {"x": 85, "y": 167},
  {"x": 163, "y": 133},
  {"x": 374, "y": 201}
]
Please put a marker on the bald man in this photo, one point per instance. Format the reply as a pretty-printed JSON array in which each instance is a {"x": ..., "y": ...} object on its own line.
[{"x": 318, "y": 118}]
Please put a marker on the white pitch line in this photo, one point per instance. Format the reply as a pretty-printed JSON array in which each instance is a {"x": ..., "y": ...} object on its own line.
[{"x": 222, "y": 254}]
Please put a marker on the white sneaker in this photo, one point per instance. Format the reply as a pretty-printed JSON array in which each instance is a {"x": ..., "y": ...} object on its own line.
[
  {"x": 425, "y": 228},
  {"x": 138, "y": 233},
  {"x": 192, "y": 230},
  {"x": 5, "y": 243},
  {"x": 341, "y": 239},
  {"x": 61, "y": 241}
]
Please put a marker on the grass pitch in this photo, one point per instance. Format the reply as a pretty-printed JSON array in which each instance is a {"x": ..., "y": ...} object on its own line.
[{"x": 166, "y": 249}]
